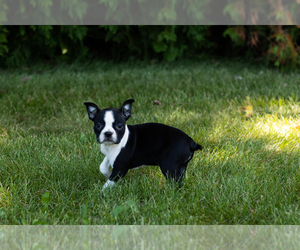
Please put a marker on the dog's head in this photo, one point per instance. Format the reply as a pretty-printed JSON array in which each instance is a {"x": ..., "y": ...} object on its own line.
[{"x": 110, "y": 123}]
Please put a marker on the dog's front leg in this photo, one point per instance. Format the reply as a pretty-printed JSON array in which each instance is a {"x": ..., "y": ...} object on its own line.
[{"x": 104, "y": 167}]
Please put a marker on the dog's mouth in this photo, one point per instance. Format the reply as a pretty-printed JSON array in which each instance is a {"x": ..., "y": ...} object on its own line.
[
  {"x": 109, "y": 141},
  {"x": 106, "y": 140}
]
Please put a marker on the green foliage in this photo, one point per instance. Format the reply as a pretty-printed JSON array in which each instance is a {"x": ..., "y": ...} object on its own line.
[
  {"x": 235, "y": 35},
  {"x": 28, "y": 43},
  {"x": 162, "y": 12},
  {"x": 234, "y": 8},
  {"x": 3, "y": 10},
  {"x": 116, "y": 33},
  {"x": 277, "y": 44},
  {"x": 167, "y": 42},
  {"x": 43, "y": 12},
  {"x": 20, "y": 45},
  {"x": 198, "y": 11},
  {"x": 283, "y": 50},
  {"x": 3, "y": 41},
  {"x": 154, "y": 12}
]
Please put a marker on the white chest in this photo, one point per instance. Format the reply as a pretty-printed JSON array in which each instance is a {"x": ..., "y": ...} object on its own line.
[{"x": 111, "y": 151}]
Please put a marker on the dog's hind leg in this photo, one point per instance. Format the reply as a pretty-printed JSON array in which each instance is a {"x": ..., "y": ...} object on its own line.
[
  {"x": 173, "y": 172},
  {"x": 180, "y": 175}
]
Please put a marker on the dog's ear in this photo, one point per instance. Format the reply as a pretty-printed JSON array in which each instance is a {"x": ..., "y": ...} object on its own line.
[
  {"x": 126, "y": 108},
  {"x": 92, "y": 110}
]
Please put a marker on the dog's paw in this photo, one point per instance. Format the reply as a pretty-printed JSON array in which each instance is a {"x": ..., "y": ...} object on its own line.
[{"x": 108, "y": 184}]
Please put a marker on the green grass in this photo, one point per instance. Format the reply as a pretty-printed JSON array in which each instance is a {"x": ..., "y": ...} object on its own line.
[{"x": 247, "y": 173}]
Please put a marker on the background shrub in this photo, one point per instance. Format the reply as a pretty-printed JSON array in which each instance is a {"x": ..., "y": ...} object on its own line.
[{"x": 20, "y": 45}]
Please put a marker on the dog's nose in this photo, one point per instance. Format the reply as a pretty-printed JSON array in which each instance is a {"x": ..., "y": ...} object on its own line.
[{"x": 108, "y": 134}]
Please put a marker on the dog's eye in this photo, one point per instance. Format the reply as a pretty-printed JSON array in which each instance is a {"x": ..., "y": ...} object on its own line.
[
  {"x": 119, "y": 126},
  {"x": 99, "y": 125}
]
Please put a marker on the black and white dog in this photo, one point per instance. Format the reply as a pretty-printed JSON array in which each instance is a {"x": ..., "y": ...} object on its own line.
[{"x": 128, "y": 147}]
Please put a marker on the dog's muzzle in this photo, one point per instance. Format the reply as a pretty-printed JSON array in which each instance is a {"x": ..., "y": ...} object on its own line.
[
  {"x": 108, "y": 138},
  {"x": 108, "y": 134}
]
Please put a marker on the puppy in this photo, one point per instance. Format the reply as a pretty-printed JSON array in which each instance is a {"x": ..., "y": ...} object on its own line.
[{"x": 128, "y": 147}]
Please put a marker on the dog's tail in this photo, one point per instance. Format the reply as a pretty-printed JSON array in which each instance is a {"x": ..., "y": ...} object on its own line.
[{"x": 195, "y": 146}]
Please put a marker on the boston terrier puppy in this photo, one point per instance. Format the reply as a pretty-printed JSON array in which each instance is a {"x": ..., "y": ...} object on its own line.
[{"x": 131, "y": 146}]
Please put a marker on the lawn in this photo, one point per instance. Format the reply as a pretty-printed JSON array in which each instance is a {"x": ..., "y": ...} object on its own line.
[{"x": 247, "y": 173}]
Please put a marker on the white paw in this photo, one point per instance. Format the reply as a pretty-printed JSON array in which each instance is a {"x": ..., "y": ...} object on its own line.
[{"x": 107, "y": 184}]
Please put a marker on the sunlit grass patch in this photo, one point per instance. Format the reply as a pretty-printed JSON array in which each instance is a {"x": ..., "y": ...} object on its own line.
[
  {"x": 3, "y": 134},
  {"x": 280, "y": 127},
  {"x": 5, "y": 196}
]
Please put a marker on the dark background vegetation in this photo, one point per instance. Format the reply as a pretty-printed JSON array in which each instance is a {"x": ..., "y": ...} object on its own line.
[
  {"x": 276, "y": 45},
  {"x": 167, "y": 30}
]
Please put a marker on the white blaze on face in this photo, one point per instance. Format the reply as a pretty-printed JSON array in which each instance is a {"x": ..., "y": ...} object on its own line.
[{"x": 108, "y": 127}]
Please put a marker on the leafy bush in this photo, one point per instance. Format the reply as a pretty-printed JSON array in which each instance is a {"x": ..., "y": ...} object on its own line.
[
  {"x": 21, "y": 45},
  {"x": 164, "y": 42},
  {"x": 3, "y": 41},
  {"x": 27, "y": 43},
  {"x": 283, "y": 49},
  {"x": 277, "y": 44},
  {"x": 42, "y": 12},
  {"x": 163, "y": 12}
]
